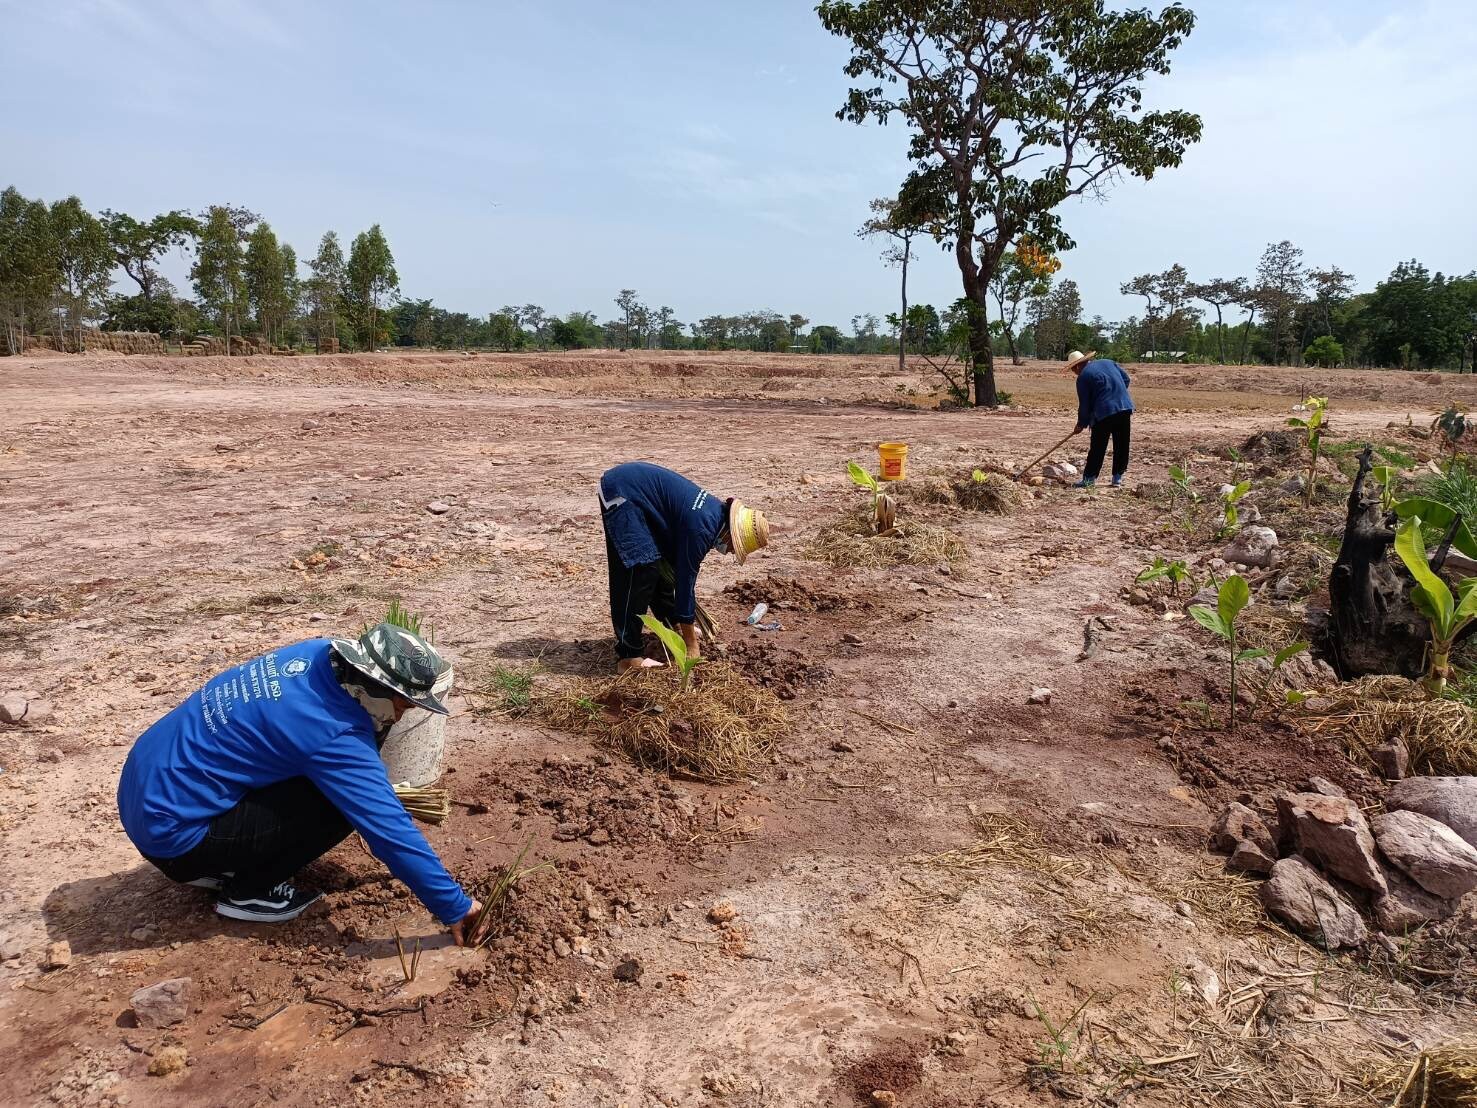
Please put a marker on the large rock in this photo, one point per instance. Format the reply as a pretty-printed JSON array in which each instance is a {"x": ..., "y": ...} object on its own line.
[
  {"x": 1392, "y": 759},
  {"x": 1407, "y": 906},
  {"x": 1251, "y": 859},
  {"x": 1449, "y": 800},
  {"x": 1252, "y": 546},
  {"x": 1238, "y": 824},
  {"x": 162, "y": 1005},
  {"x": 12, "y": 708},
  {"x": 1431, "y": 854},
  {"x": 1332, "y": 832},
  {"x": 1300, "y": 896}
]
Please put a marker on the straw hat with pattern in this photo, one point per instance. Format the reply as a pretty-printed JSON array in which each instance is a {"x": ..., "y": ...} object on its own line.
[
  {"x": 401, "y": 661},
  {"x": 1076, "y": 358},
  {"x": 748, "y": 530}
]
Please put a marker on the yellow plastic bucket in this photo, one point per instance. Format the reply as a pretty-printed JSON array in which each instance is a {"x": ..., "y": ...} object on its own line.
[{"x": 892, "y": 460}]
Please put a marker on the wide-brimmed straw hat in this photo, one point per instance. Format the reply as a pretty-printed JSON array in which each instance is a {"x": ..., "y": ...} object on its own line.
[
  {"x": 401, "y": 661},
  {"x": 748, "y": 530},
  {"x": 1076, "y": 357}
]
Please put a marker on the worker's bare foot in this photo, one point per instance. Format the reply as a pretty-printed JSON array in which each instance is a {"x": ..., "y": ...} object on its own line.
[{"x": 638, "y": 663}]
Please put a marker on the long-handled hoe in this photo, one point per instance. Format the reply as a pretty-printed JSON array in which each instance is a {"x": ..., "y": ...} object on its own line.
[{"x": 1034, "y": 462}]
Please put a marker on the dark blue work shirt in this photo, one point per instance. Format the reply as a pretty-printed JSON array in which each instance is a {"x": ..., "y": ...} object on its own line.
[
  {"x": 1102, "y": 391},
  {"x": 652, "y": 514}
]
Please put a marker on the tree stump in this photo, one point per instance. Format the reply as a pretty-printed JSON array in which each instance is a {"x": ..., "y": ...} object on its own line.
[{"x": 1373, "y": 626}]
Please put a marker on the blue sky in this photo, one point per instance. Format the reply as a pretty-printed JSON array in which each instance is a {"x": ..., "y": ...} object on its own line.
[{"x": 556, "y": 152}]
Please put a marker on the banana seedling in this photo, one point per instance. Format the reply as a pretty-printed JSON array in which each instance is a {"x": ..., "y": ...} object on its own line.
[
  {"x": 1314, "y": 425},
  {"x": 675, "y": 647},
  {"x": 1447, "y": 615},
  {"x": 1386, "y": 475},
  {"x": 884, "y": 506},
  {"x": 1231, "y": 599}
]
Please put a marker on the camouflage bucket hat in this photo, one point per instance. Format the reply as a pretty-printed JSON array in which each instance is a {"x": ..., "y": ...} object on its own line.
[{"x": 400, "y": 661}]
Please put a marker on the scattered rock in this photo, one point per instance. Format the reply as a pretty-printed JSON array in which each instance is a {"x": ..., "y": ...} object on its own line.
[
  {"x": 1039, "y": 696},
  {"x": 1238, "y": 824},
  {"x": 1323, "y": 787},
  {"x": 600, "y": 836},
  {"x": 1294, "y": 485},
  {"x": 169, "y": 1059},
  {"x": 1433, "y": 855},
  {"x": 12, "y": 708},
  {"x": 1284, "y": 588},
  {"x": 438, "y": 507},
  {"x": 1331, "y": 831},
  {"x": 629, "y": 970},
  {"x": 1392, "y": 759},
  {"x": 310, "y": 425},
  {"x": 1205, "y": 597},
  {"x": 1299, "y": 895},
  {"x": 51, "y": 754},
  {"x": 58, "y": 955},
  {"x": 884, "y": 1098},
  {"x": 1448, "y": 800},
  {"x": 853, "y": 639},
  {"x": 37, "y": 710},
  {"x": 1251, "y": 859},
  {"x": 722, "y": 912},
  {"x": 1407, "y": 906},
  {"x": 841, "y": 746},
  {"x": 1252, "y": 546},
  {"x": 163, "y": 1004}
]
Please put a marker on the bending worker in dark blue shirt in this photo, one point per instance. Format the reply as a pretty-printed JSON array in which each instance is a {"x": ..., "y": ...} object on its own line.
[
  {"x": 1103, "y": 404},
  {"x": 274, "y": 762},
  {"x": 654, "y": 516}
]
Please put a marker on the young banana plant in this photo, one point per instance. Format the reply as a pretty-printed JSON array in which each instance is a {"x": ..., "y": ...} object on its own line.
[
  {"x": 676, "y": 648},
  {"x": 1447, "y": 615},
  {"x": 884, "y": 506}
]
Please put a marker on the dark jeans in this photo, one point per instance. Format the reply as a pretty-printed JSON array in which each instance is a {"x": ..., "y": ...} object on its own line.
[
  {"x": 632, "y": 592},
  {"x": 1114, "y": 427},
  {"x": 265, "y": 839}
]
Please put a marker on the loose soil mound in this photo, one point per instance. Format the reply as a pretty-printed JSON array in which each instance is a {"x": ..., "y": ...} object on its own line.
[
  {"x": 1272, "y": 446},
  {"x": 783, "y": 671},
  {"x": 850, "y": 542},
  {"x": 717, "y": 730},
  {"x": 792, "y": 594}
]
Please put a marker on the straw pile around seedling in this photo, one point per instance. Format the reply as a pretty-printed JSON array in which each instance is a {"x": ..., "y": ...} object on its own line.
[
  {"x": 717, "y": 730},
  {"x": 427, "y": 805},
  {"x": 988, "y": 492},
  {"x": 850, "y": 542},
  {"x": 1441, "y": 735},
  {"x": 1442, "y": 1077},
  {"x": 932, "y": 489}
]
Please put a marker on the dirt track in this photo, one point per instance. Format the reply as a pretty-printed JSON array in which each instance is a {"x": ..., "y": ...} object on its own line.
[{"x": 155, "y": 511}]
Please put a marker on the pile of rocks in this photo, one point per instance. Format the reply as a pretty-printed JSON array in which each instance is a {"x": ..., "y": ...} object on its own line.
[{"x": 1328, "y": 867}]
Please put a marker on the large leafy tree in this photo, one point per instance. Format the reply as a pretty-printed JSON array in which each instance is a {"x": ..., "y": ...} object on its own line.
[
  {"x": 326, "y": 288},
  {"x": 1281, "y": 285},
  {"x": 1015, "y": 107},
  {"x": 29, "y": 267},
  {"x": 1219, "y": 293},
  {"x": 85, "y": 261},
  {"x": 270, "y": 271},
  {"x": 219, "y": 269},
  {"x": 371, "y": 278},
  {"x": 137, "y": 245}
]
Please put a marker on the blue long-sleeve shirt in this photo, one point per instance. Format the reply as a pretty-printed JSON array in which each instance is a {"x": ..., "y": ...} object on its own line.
[
  {"x": 651, "y": 514},
  {"x": 278, "y": 716},
  {"x": 1102, "y": 391}
]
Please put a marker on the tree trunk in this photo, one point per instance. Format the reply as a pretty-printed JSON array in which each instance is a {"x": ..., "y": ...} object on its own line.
[
  {"x": 1373, "y": 626},
  {"x": 1220, "y": 334},
  {"x": 1246, "y": 334},
  {"x": 1015, "y": 358},
  {"x": 902, "y": 327},
  {"x": 982, "y": 355}
]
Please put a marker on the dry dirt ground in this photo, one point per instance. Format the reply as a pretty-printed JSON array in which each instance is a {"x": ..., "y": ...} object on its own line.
[{"x": 942, "y": 892}]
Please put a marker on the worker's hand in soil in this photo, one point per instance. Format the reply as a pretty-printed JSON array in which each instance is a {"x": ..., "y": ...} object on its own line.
[
  {"x": 692, "y": 639},
  {"x": 639, "y": 663},
  {"x": 465, "y": 932}
]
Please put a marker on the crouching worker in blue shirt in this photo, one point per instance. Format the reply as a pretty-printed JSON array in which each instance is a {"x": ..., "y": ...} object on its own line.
[
  {"x": 1103, "y": 404},
  {"x": 274, "y": 762},
  {"x": 653, "y": 516}
]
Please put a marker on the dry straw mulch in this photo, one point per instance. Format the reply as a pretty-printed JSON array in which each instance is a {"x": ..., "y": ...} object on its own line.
[
  {"x": 849, "y": 542},
  {"x": 1441, "y": 1077},
  {"x": 993, "y": 492},
  {"x": 1441, "y": 735},
  {"x": 719, "y": 729}
]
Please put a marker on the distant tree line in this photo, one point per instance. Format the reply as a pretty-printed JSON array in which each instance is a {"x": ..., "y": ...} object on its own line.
[{"x": 58, "y": 263}]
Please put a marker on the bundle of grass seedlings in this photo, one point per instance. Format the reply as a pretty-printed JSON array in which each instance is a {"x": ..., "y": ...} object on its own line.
[
  {"x": 851, "y": 541},
  {"x": 1441, "y": 735},
  {"x": 1442, "y": 1077},
  {"x": 716, "y": 729},
  {"x": 425, "y": 804}
]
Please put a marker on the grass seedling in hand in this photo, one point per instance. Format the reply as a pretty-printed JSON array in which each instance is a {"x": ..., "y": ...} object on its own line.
[
  {"x": 1314, "y": 424},
  {"x": 1233, "y": 596},
  {"x": 675, "y": 647},
  {"x": 494, "y": 896},
  {"x": 1447, "y": 615}
]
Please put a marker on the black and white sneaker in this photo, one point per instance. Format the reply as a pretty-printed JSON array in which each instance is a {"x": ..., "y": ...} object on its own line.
[{"x": 277, "y": 905}]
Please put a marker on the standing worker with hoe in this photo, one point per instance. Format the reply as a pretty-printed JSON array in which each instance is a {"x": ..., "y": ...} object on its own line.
[
  {"x": 1103, "y": 404},
  {"x": 659, "y": 526},
  {"x": 271, "y": 765}
]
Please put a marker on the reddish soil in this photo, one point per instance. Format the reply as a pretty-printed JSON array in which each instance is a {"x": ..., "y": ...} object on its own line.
[{"x": 167, "y": 517}]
